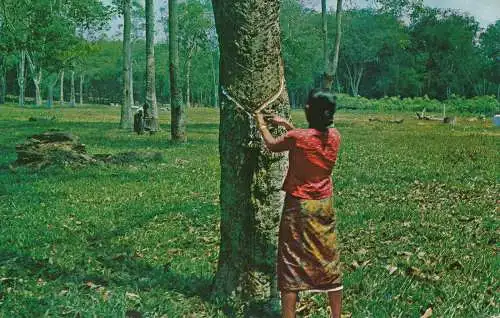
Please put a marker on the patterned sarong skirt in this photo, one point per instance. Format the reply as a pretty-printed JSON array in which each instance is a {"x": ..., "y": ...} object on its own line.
[{"x": 308, "y": 258}]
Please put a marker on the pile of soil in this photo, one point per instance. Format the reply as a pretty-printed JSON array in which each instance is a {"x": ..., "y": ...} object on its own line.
[{"x": 63, "y": 148}]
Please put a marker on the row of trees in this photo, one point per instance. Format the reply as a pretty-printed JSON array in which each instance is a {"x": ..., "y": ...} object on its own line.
[
  {"x": 438, "y": 53},
  {"x": 44, "y": 38}
]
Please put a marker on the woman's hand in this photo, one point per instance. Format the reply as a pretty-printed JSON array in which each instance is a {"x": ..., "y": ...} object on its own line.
[{"x": 279, "y": 121}]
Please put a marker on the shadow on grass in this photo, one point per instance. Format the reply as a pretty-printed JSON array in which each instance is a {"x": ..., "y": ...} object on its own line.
[
  {"x": 128, "y": 272},
  {"x": 102, "y": 134}
]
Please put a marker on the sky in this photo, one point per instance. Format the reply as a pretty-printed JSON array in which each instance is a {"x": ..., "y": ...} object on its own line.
[{"x": 485, "y": 11}]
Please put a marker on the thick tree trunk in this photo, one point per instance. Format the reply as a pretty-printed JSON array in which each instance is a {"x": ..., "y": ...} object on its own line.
[
  {"x": 72, "y": 101},
  {"x": 81, "y": 89},
  {"x": 333, "y": 64},
  {"x": 126, "y": 109},
  {"x": 178, "y": 124},
  {"x": 150, "y": 68},
  {"x": 61, "y": 85},
  {"x": 20, "y": 77},
  {"x": 251, "y": 177}
]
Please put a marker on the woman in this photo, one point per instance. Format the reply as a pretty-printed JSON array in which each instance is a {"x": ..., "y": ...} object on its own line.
[{"x": 307, "y": 254}]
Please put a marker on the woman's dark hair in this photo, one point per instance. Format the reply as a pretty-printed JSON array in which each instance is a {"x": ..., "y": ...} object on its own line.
[{"x": 322, "y": 107}]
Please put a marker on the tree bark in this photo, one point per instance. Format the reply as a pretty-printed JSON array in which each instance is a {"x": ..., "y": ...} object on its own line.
[
  {"x": 333, "y": 64},
  {"x": 72, "y": 101},
  {"x": 250, "y": 195},
  {"x": 178, "y": 124},
  {"x": 126, "y": 109},
  {"x": 150, "y": 68},
  {"x": 61, "y": 85},
  {"x": 20, "y": 77},
  {"x": 81, "y": 89}
]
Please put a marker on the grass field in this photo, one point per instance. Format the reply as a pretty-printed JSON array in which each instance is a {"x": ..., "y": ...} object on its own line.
[{"x": 417, "y": 207}]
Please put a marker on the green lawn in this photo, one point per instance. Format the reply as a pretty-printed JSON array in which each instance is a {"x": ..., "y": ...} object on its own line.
[{"x": 416, "y": 204}]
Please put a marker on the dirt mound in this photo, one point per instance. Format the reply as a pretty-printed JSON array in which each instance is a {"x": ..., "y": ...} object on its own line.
[{"x": 63, "y": 148}]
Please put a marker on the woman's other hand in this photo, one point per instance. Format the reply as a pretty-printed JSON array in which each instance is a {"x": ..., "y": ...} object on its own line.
[{"x": 278, "y": 121}]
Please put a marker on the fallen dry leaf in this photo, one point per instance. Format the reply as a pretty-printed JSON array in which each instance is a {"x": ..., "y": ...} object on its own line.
[
  {"x": 132, "y": 295},
  {"x": 391, "y": 269},
  {"x": 427, "y": 313}
]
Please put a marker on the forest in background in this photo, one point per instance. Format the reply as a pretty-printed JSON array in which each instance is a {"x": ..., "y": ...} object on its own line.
[{"x": 406, "y": 51}]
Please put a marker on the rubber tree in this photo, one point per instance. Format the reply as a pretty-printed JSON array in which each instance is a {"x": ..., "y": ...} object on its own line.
[
  {"x": 331, "y": 60},
  {"x": 3, "y": 84},
  {"x": 21, "y": 70},
  {"x": 150, "y": 65},
  {"x": 82, "y": 76},
  {"x": 250, "y": 197},
  {"x": 128, "y": 94},
  {"x": 36, "y": 75},
  {"x": 72, "y": 99},
  {"x": 178, "y": 124},
  {"x": 61, "y": 87}
]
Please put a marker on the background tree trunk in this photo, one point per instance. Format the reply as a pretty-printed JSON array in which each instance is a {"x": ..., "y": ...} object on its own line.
[
  {"x": 72, "y": 101},
  {"x": 178, "y": 125},
  {"x": 132, "y": 100},
  {"x": 126, "y": 109},
  {"x": 20, "y": 76},
  {"x": 50, "y": 94},
  {"x": 150, "y": 68},
  {"x": 3, "y": 84},
  {"x": 81, "y": 89},
  {"x": 37, "y": 79},
  {"x": 334, "y": 63},
  {"x": 250, "y": 196},
  {"x": 188, "y": 83},
  {"x": 326, "y": 60},
  {"x": 61, "y": 94},
  {"x": 214, "y": 81}
]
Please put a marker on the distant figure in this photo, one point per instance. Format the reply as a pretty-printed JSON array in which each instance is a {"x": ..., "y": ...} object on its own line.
[
  {"x": 139, "y": 122},
  {"x": 142, "y": 120},
  {"x": 308, "y": 258}
]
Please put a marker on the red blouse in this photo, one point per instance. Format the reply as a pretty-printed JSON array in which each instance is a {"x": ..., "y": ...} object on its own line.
[{"x": 312, "y": 156}]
